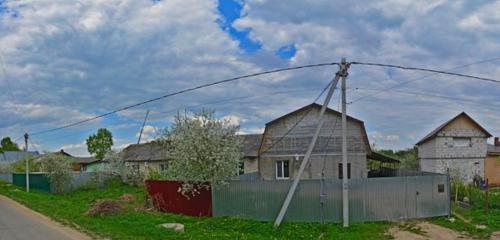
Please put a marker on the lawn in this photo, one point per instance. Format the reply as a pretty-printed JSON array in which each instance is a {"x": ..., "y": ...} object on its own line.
[
  {"x": 136, "y": 223},
  {"x": 476, "y": 215}
]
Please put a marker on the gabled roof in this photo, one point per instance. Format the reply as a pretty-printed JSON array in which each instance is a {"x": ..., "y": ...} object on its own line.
[
  {"x": 251, "y": 144},
  {"x": 328, "y": 110},
  {"x": 438, "y": 129},
  {"x": 312, "y": 105},
  {"x": 152, "y": 151}
]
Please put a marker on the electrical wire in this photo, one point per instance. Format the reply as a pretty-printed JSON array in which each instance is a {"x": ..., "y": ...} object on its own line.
[
  {"x": 183, "y": 91},
  {"x": 423, "y": 77},
  {"x": 297, "y": 122},
  {"x": 428, "y": 70}
]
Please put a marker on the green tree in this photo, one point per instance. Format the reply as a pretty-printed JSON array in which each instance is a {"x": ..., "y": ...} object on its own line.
[
  {"x": 8, "y": 145},
  {"x": 201, "y": 149},
  {"x": 58, "y": 168},
  {"x": 408, "y": 157},
  {"x": 99, "y": 144}
]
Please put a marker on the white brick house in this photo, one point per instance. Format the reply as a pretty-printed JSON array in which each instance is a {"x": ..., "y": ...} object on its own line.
[{"x": 459, "y": 144}]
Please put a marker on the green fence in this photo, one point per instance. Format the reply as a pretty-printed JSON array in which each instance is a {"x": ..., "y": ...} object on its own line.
[{"x": 38, "y": 181}]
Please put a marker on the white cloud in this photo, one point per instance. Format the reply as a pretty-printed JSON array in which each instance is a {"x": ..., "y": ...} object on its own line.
[{"x": 149, "y": 133}]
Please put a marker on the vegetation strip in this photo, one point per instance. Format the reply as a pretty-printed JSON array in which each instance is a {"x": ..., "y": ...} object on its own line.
[{"x": 138, "y": 222}]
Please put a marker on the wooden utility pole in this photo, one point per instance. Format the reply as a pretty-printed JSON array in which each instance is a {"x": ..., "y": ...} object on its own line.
[
  {"x": 342, "y": 72},
  {"x": 142, "y": 128},
  {"x": 27, "y": 163}
]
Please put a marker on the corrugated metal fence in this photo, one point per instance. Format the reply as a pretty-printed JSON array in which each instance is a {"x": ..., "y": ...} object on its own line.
[
  {"x": 370, "y": 199},
  {"x": 6, "y": 177},
  {"x": 39, "y": 181}
]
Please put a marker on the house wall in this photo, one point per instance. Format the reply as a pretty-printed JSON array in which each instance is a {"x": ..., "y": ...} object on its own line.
[
  {"x": 144, "y": 167},
  {"x": 440, "y": 152},
  {"x": 492, "y": 169},
  {"x": 251, "y": 165},
  {"x": 328, "y": 145}
]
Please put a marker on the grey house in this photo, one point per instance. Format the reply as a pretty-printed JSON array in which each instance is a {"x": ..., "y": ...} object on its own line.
[
  {"x": 459, "y": 144},
  {"x": 280, "y": 157}
]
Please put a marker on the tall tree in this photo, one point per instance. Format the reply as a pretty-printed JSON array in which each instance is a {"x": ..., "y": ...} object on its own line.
[
  {"x": 99, "y": 144},
  {"x": 8, "y": 145}
]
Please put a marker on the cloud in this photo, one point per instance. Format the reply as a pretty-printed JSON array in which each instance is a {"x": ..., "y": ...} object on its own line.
[
  {"x": 68, "y": 60},
  {"x": 149, "y": 133}
]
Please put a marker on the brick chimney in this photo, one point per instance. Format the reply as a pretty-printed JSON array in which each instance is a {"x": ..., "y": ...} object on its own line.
[{"x": 497, "y": 141}]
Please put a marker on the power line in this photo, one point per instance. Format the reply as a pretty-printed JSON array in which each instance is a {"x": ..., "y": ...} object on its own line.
[
  {"x": 449, "y": 98},
  {"x": 423, "y": 77},
  {"x": 184, "y": 91},
  {"x": 299, "y": 121},
  {"x": 428, "y": 70}
]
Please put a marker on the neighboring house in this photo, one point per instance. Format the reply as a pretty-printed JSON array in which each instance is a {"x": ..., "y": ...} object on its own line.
[
  {"x": 81, "y": 163},
  {"x": 459, "y": 144},
  {"x": 280, "y": 157},
  {"x": 492, "y": 163},
  {"x": 250, "y": 149},
  {"x": 145, "y": 156},
  {"x": 9, "y": 157}
]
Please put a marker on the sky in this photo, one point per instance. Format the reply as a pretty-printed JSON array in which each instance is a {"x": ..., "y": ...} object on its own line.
[{"x": 65, "y": 61}]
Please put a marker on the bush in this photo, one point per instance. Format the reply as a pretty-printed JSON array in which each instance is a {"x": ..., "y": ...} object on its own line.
[
  {"x": 20, "y": 165},
  {"x": 58, "y": 168}
]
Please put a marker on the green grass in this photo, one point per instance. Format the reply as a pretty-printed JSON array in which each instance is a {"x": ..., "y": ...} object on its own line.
[
  {"x": 476, "y": 215},
  {"x": 137, "y": 224}
]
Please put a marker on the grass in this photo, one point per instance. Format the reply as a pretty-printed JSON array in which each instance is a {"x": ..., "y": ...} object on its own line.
[
  {"x": 69, "y": 209},
  {"x": 476, "y": 215}
]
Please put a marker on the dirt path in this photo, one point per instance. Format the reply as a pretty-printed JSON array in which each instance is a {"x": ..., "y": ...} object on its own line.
[
  {"x": 424, "y": 231},
  {"x": 22, "y": 223}
]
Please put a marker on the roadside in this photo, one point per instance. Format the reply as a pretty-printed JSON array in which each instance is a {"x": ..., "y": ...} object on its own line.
[
  {"x": 137, "y": 221},
  {"x": 22, "y": 223}
]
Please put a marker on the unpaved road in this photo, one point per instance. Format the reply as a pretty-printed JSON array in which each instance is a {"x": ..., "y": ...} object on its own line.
[
  {"x": 431, "y": 231},
  {"x": 20, "y": 223}
]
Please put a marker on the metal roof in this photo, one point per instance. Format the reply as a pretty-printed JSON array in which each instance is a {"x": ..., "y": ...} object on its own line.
[
  {"x": 251, "y": 144},
  {"x": 493, "y": 150},
  {"x": 9, "y": 157},
  {"x": 152, "y": 151}
]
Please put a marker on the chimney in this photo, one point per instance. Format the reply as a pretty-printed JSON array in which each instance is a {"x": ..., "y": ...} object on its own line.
[{"x": 497, "y": 141}]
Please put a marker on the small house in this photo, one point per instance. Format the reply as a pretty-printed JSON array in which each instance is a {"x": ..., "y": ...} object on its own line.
[
  {"x": 145, "y": 156},
  {"x": 459, "y": 144},
  {"x": 286, "y": 139}
]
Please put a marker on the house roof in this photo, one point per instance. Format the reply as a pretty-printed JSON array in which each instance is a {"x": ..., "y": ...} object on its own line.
[
  {"x": 9, "y": 157},
  {"x": 493, "y": 150},
  {"x": 382, "y": 157},
  {"x": 329, "y": 110},
  {"x": 152, "y": 151},
  {"x": 84, "y": 160},
  {"x": 312, "y": 105},
  {"x": 434, "y": 132},
  {"x": 251, "y": 144}
]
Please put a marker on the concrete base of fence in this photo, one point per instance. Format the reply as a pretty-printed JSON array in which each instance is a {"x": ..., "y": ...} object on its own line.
[{"x": 166, "y": 197}]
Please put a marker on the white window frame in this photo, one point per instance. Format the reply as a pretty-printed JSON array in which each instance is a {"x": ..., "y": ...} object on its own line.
[{"x": 282, "y": 166}]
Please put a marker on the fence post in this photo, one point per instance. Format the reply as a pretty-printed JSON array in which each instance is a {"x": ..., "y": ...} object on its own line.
[
  {"x": 449, "y": 191},
  {"x": 486, "y": 203}
]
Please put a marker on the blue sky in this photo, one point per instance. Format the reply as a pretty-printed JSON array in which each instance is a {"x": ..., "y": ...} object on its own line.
[{"x": 65, "y": 61}]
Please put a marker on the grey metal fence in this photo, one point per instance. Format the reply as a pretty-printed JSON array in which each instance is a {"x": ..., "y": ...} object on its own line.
[
  {"x": 6, "y": 177},
  {"x": 370, "y": 199}
]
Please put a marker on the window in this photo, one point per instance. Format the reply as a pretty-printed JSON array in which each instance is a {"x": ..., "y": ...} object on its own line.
[
  {"x": 461, "y": 142},
  {"x": 282, "y": 169},
  {"x": 348, "y": 171},
  {"x": 135, "y": 167},
  {"x": 163, "y": 167},
  {"x": 241, "y": 168},
  {"x": 440, "y": 188}
]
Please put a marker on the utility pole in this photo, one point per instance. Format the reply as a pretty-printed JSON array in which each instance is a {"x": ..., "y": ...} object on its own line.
[
  {"x": 342, "y": 72},
  {"x": 27, "y": 163},
  {"x": 345, "y": 184},
  {"x": 142, "y": 128}
]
